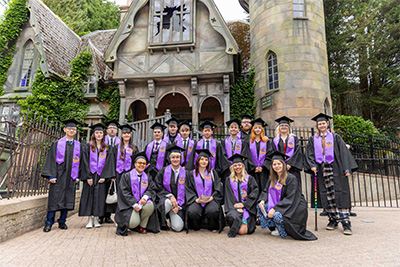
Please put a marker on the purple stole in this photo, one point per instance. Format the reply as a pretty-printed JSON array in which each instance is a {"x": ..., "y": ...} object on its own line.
[
  {"x": 177, "y": 138},
  {"x": 208, "y": 184},
  {"x": 60, "y": 154},
  {"x": 329, "y": 149},
  {"x": 258, "y": 160},
  {"x": 161, "y": 153},
  {"x": 243, "y": 193},
  {"x": 138, "y": 190},
  {"x": 117, "y": 140},
  {"x": 213, "y": 150},
  {"x": 181, "y": 183},
  {"x": 97, "y": 161},
  {"x": 228, "y": 146},
  {"x": 290, "y": 145},
  {"x": 124, "y": 165},
  {"x": 189, "y": 149},
  {"x": 274, "y": 195}
]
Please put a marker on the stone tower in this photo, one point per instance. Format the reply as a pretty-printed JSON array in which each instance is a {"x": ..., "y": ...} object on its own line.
[{"x": 288, "y": 51}]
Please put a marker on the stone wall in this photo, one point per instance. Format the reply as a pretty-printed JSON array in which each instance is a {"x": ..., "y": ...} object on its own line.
[{"x": 21, "y": 215}]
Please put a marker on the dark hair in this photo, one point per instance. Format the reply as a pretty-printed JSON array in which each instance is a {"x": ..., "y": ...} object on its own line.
[
  {"x": 274, "y": 177},
  {"x": 197, "y": 165},
  {"x": 93, "y": 146},
  {"x": 121, "y": 148}
]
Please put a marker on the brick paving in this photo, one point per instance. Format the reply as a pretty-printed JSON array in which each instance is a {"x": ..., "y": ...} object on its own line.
[{"x": 371, "y": 244}]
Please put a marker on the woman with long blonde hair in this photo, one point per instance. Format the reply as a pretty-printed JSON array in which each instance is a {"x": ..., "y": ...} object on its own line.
[{"x": 241, "y": 193}]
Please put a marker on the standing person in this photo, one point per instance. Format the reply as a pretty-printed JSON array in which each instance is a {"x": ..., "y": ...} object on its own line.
[
  {"x": 123, "y": 154},
  {"x": 156, "y": 150},
  {"x": 172, "y": 136},
  {"x": 99, "y": 167},
  {"x": 246, "y": 128},
  {"x": 282, "y": 208},
  {"x": 218, "y": 162},
  {"x": 135, "y": 200},
  {"x": 241, "y": 195},
  {"x": 187, "y": 143},
  {"x": 288, "y": 144},
  {"x": 256, "y": 153},
  {"x": 112, "y": 141},
  {"x": 328, "y": 157},
  {"x": 62, "y": 168},
  {"x": 170, "y": 187},
  {"x": 204, "y": 194}
]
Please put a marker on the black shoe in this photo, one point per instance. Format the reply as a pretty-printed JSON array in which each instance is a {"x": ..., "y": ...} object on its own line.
[
  {"x": 121, "y": 234},
  {"x": 101, "y": 220},
  {"x": 347, "y": 228},
  {"x": 47, "y": 228},
  {"x": 107, "y": 220},
  {"x": 258, "y": 221},
  {"x": 323, "y": 213},
  {"x": 62, "y": 226},
  {"x": 353, "y": 214},
  {"x": 332, "y": 225},
  {"x": 231, "y": 235},
  {"x": 164, "y": 228}
]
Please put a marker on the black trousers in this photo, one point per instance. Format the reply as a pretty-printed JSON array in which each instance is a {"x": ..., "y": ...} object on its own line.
[
  {"x": 196, "y": 213},
  {"x": 234, "y": 219}
]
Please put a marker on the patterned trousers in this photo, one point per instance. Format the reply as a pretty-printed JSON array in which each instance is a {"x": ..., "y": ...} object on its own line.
[{"x": 276, "y": 221}]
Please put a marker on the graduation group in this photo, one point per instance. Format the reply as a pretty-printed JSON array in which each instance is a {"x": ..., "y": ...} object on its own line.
[{"x": 178, "y": 183}]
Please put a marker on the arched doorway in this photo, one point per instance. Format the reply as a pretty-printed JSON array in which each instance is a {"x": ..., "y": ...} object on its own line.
[
  {"x": 211, "y": 110},
  {"x": 178, "y": 106},
  {"x": 138, "y": 111}
]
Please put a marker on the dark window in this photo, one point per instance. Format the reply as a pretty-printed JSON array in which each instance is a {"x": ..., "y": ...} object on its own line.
[
  {"x": 27, "y": 63},
  {"x": 272, "y": 61},
  {"x": 299, "y": 8}
]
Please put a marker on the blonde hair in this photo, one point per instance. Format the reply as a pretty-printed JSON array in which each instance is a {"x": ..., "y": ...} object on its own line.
[
  {"x": 233, "y": 175},
  {"x": 175, "y": 153},
  {"x": 317, "y": 132},
  {"x": 262, "y": 135},
  {"x": 278, "y": 132},
  {"x": 184, "y": 127},
  {"x": 274, "y": 175}
]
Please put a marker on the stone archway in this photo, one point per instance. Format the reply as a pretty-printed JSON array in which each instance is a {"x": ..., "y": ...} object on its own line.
[
  {"x": 138, "y": 110},
  {"x": 211, "y": 110},
  {"x": 178, "y": 106}
]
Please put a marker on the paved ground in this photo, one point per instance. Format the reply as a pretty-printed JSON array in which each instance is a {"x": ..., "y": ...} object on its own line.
[{"x": 372, "y": 243}]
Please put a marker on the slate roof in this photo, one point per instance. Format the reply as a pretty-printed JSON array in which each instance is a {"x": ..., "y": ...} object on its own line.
[
  {"x": 102, "y": 68},
  {"x": 100, "y": 39}
]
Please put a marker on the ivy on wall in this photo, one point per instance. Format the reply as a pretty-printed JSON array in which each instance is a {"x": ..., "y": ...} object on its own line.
[
  {"x": 242, "y": 96},
  {"x": 111, "y": 95},
  {"x": 10, "y": 27}
]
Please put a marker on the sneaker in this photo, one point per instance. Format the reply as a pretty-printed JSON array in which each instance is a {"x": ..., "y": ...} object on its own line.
[
  {"x": 332, "y": 225},
  {"x": 347, "y": 228},
  {"x": 96, "y": 222},
  {"x": 90, "y": 223},
  {"x": 275, "y": 233}
]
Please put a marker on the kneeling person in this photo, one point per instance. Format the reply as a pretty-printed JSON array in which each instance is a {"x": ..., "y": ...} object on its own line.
[{"x": 170, "y": 187}]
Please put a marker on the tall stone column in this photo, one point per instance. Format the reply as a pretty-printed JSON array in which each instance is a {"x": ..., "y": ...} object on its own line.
[
  {"x": 122, "y": 110},
  {"x": 195, "y": 101},
  {"x": 152, "y": 101},
  {"x": 227, "y": 104}
]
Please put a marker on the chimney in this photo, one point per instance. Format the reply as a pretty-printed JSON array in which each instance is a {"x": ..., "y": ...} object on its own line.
[{"x": 124, "y": 8}]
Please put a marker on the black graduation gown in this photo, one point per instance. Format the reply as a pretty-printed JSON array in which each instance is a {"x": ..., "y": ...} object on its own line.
[
  {"x": 221, "y": 162},
  {"x": 62, "y": 193},
  {"x": 249, "y": 203},
  {"x": 227, "y": 172},
  {"x": 343, "y": 161},
  {"x": 93, "y": 198},
  {"x": 293, "y": 208},
  {"x": 245, "y": 136},
  {"x": 191, "y": 196},
  {"x": 152, "y": 169},
  {"x": 296, "y": 161},
  {"x": 126, "y": 200},
  {"x": 161, "y": 197},
  {"x": 261, "y": 177}
]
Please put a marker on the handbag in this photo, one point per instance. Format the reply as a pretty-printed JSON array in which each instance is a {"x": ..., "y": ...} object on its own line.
[{"x": 112, "y": 199}]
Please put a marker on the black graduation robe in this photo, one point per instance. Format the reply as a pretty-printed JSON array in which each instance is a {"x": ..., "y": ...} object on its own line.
[
  {"x": 343, "y": 161},
  {"x": 191, "y": 195},
  {"x": 161, "y": 197},
  {"x": 221, "y": 162},
  {"x": 126, "y": 200},
  {"x": 293, "y": 208},
  {"x": 250, "y": 203},
  {"x": 152, "y": 169},
  {"x": 62, "y": 193},
  {"x": 227, "y": 172},
  {"x": 93, "y": 198},
  {"x": 245, "y": 136}
]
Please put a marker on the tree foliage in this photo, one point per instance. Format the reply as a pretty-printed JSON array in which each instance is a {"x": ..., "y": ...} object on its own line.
[
  {"x": 84, "y": 16},
  {"x": 242, "y": 96},
  {"x": 241, "y": 32},
  {"x": 111, "y": 95}
]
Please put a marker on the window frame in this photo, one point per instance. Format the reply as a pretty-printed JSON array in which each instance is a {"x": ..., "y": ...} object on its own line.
[
  {"x": 19, "y": 87},
  {"x": 303, "y": 12},
  {"x": 274, "y": 82}
]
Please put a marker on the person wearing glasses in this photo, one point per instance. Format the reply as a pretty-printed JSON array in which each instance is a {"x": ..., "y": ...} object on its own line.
[
  {"x": 62, "y": 168},
  {"x": 246, "y": 128}
]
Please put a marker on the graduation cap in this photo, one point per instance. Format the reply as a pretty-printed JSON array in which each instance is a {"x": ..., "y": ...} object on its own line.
[
  {"x": 204, "y": 153},
  {"x": 246, "y": 116},
  {"x": 174, "y": 149},
  {"x": 71, "y": 123},
  {"x": 97, "y": 127},
  {"x": 228, "y": 123},
  {"x": 141, "y": 155},
  {"x": 278, "y": 155},
  {"x": 207, "y": 125},
  {"x": 173, "y": 120},
  {"x": 321, "y": 117},
  {"x": 284, "y": 120},
  {"x": 259, "y": 121},
  {"x": 237, "y": 158},
  {"x": 185, "y": 123},
  {"x": 126, "y": 128},
  {"x": 112, "y": 123},
  {"x": 159, "y": 126}
]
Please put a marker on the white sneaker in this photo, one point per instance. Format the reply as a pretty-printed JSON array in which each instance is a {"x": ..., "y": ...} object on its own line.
[
  {"x": 90, "y": 223},
  {"x": 96, "y": 222},
  {"x": 275, "y": 233}
]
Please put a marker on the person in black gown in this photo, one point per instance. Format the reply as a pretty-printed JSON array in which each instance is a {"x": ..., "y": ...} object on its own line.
[
  {"x": 282, "y": 208},
  {"x": 187, "y": 143},
  {"x": 246, "y": 126},
  {"x": 63, "y": 169},
  {"x": 156, "y": 150},
  {"x": 241, "y": 195},
  {"x": 172, "y": 136}
]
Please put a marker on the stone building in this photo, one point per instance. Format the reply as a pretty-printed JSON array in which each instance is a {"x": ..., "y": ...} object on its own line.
[
  {"x": 173, "y": 54},
  {"x": 289, "y": 54}
]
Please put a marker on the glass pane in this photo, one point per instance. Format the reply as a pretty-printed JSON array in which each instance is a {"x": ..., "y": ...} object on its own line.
[
  {"x": 177, "y": 3},
  {"x": 156, "y": 29},
  {"x": 275, "y": 69},
  {"x": 269, "y": 71},
  {"x": 168, "y": 3},
  {"x": 271, "y": 86},
  {"x": 301, "y": 1},
  {"x": 276, "y": 84},
  {"x": 270, "y": 79},
  {"x": 187, "y": 5},
  {"x": 92, "y": 88},
  {"x": 295, "y": 7},
  {"x": 157, "y": 5},
  {"x": 275, "y": 61},
  {"x": 275, "y": 77},
  {"x": 187, "y": 27}
]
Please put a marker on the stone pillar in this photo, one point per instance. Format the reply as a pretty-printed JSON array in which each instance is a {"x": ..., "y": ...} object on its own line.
[
  {"x": 122, "y": 110},
  {"x": 226, "y": 98},
  {"x": 152, "y": 100},
  {"x": 195, "y": 101}
]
